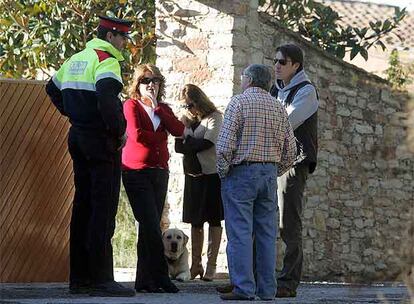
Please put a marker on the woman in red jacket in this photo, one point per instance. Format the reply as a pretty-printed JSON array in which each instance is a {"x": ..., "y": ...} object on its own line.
[{"x": 145, "y": 172}]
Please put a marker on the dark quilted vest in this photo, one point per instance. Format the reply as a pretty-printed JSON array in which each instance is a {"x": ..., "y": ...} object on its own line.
[{"x": 306, "y": 133}]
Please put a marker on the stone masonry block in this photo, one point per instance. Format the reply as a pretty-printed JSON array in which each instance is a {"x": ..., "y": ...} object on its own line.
[
  {"x": 333, "y": 223},
  {"x": 343, "y": 111},
  {"x": 319, "y": 221},
  {"x": 220, "y": 41},
  {"x": 218, "y": 58},
  {"x": 219, "y": 24},
  {"x": 197, "y": 43},
  {"x": 354, "y": 203},
  {"x": 189, "y": 64},
  {"x": 199, "y": 76},
  {"x": 364, "y": 129}
]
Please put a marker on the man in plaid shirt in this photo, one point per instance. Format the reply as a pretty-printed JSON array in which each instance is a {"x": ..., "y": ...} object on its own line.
[{"x": 255, "y": 145}]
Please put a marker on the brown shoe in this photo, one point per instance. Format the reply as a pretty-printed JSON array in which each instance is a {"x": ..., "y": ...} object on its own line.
[
  {"x": 225, "y": 288},
  {"x": 283, "y": 292},
  {"x": 231, "y": 296}
]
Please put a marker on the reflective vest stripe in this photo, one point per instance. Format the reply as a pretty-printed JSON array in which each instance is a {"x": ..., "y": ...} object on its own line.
[
  {"x": 57, "y": 83},
  {"x": 108, "y": 75},
  {"x": 76, "y": 85}
]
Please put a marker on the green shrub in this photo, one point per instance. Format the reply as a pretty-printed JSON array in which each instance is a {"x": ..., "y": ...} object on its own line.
[
  {"x": 397, "y": 74},
  {"x": 321, "y": 25}
]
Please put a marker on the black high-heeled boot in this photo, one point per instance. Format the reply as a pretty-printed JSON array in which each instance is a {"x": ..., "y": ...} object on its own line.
[
  {"x": 148, "y": 287},
  {"x": 168, "y": 286}
]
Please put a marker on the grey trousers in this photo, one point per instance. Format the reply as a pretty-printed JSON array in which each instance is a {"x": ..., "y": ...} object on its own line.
[{"x": 291, "y": 186}]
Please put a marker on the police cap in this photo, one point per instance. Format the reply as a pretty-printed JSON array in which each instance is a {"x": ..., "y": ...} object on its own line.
[{"x": 120, "y": 26}]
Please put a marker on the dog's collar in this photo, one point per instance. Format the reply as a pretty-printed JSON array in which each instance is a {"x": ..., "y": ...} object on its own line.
[{"x": 169, "y": 260}]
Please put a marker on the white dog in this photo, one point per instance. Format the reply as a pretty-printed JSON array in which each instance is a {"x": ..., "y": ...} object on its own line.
[{"x": 176, "y": 252}]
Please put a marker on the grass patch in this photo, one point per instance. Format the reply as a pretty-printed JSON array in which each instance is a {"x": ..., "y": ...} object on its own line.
[{"x": 125, "y": 237}]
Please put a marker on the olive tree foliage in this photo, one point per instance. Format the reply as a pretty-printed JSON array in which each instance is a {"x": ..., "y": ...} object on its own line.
[
  {"x": 320, "y": 25},
  {"x": 38, "y": 35}
]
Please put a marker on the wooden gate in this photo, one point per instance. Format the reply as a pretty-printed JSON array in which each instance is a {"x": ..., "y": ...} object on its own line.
[{"x": 36, "y": 187}]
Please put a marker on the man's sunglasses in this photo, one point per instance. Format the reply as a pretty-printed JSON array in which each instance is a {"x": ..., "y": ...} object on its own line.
[
  {"x": 281, "y": 61},
  {"x": 147, "y": 80},
  {"x": 188, "y": 106}
]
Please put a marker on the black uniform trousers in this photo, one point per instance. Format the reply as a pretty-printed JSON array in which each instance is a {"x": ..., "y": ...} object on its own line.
[
  {"x": 146, "y": 190},
  {"x": 291, "y": 186},
  {"x": 97, "y": 175}
]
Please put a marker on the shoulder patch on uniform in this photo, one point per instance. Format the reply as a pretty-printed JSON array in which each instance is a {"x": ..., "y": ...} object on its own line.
[
  {"x": 77, "y": 67},
  {"x": 102, "y": 55}
]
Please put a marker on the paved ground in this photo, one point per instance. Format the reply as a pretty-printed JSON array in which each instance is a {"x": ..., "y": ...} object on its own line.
[{"x": 199, "y": 292}]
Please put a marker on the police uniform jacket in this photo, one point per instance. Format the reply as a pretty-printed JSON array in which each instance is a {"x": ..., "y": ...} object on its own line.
[{"x": 86, "y": 89}]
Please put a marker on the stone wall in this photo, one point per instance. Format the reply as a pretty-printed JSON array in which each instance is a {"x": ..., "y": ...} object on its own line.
[{"x": 358, "y": 200}]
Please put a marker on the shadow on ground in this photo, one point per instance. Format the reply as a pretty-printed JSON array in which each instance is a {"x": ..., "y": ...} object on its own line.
[{"x": 200, "y": 292}]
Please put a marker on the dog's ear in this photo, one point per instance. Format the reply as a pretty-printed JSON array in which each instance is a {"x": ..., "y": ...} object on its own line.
[
  {"x": 163, "y": 233},
  {"x": 185, "y": 239}
]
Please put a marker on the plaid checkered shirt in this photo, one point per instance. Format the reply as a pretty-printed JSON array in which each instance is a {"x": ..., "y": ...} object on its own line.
[{"x": 255, "y": 128}]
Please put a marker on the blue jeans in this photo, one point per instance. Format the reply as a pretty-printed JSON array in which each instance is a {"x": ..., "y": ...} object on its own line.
[{"x": 250, "y": 210}]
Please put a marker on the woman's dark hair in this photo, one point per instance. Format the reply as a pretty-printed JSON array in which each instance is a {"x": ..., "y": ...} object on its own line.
[
  {"x": 203, "y": 104},
  {"x": 293, "y": 52}
]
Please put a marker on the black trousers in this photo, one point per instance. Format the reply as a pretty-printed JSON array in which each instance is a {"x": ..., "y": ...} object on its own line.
[
  {"x": 291, "y": 186},
  {"x": 97, "y": 176},
  {"x": 146, "y": 190}
]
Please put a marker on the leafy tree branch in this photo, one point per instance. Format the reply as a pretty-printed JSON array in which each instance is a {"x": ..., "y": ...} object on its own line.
[
  {"x": 321, "y": 25},
  {"x": 38, "y": 35}
]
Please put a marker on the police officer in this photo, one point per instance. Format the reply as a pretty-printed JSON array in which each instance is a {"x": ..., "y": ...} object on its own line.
[{"x": 86, "y": 89}]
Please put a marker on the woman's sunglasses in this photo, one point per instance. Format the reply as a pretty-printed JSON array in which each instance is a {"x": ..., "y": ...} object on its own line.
[
  {"x": 188, "y": 106},
  {"x": 281, "y": 61},
  {"x": 147, "y": 80}
]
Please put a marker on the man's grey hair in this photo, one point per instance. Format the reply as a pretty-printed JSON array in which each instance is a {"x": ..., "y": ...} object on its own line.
[{"x": 260, "y": 75}]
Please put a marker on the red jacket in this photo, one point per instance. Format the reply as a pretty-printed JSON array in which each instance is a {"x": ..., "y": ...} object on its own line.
[{"x": 146, "y": 148}]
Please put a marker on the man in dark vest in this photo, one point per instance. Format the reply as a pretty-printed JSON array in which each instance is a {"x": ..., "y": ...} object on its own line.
[{"x": 294, "y": 90}]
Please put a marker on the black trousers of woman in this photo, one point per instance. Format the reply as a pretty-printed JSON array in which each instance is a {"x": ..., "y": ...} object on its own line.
[{"x": 146, "y": 190}]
